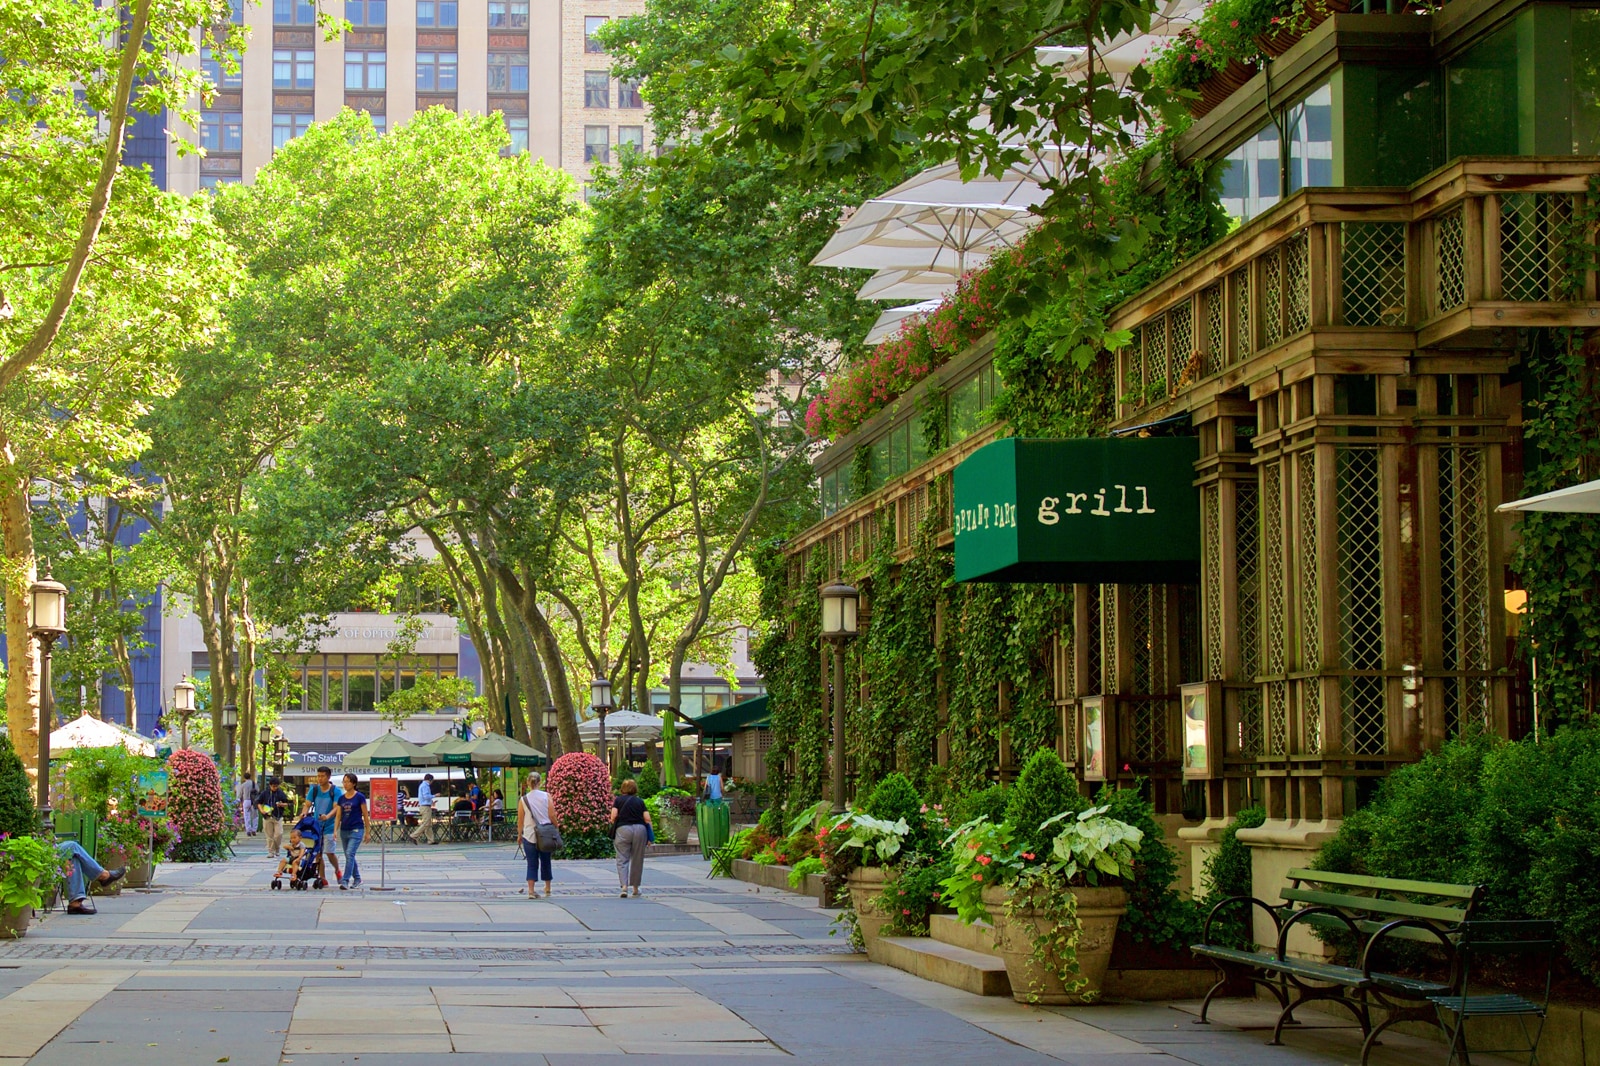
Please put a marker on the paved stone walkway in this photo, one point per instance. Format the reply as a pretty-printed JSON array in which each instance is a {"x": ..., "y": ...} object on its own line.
[{"x": 210, "y": 966}]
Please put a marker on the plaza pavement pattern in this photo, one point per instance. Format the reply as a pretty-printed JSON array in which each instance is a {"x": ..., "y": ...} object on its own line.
[{"x": 455, "y": 966}]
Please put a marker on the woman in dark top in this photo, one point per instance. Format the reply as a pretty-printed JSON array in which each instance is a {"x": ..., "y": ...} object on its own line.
[
  {"x": 352, "y": 826},
  {"x": 631, "y": 819}
]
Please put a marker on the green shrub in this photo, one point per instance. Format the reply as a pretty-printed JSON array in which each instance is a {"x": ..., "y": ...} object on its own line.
[
  {"x": 771, "y": 822},
  {"x": 1157, "y": 912},
  {"x": 17, "y": 814},
  {"x": 987, "y": 803},
  {"x": 895, "y": 798},
  {"x": 1043, "y": 790},
  {"x": 594, "y": 844},
  {"x": 909, "y": 898},
  {"x": 807, "y": 866},
  {"x": 1227, "y": 871},
  {"x": 649, "y": 780}
]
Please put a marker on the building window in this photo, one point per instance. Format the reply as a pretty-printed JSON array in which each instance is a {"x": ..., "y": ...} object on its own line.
[
  {"x": 1252, "y": 174},
  {"x": 211, "y": 61},
  {"x": 222, "y": 131},
  {"x": 508, "y": 14},
  {"x": 597, "y": 144},
  {"x": 380, "y": 124},
  {"x": 628, "y": 93},
  {"x": 236, "y": 12},
  {"x": 365, "y": 70},
  {"x": 508, "y": 72},
  {"x": 436, "y": 13},
  {"x": 591, "y": 30},
  {"x": 215, "y": 181},
  {"x": 294, "y": 13},
  {"x": 286, "y": 127},
  {"x": 436, "y": 72},
  {"x": 630, "y": 139},
  {"x": 295, "y": 69},
  {"x": 518, "y": 128},
  {"x": 596, "y": 88},
  {"x": 366, "y": 12}
]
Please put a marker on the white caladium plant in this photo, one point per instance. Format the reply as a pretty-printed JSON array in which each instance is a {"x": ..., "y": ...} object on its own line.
[
  {"x": 1093, "y": 845},
  {"x": 874, "y": 836}
]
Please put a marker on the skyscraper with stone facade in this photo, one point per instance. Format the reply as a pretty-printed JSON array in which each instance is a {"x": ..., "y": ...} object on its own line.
[{"x": 538, "y": 63}]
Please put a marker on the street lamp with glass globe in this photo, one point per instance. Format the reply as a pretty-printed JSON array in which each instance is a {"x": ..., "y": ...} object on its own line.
[
  {"x": 280, "y": 754},
  {"x": 47, "y": 622},
  {"x": 264, "y": 742},
  {"x": 183, "y": 707},
  {"x": 550, "y": 723},
  {"x": 839, "y": 603},
  {"x": 230, "y": 723},
  {"x": 600, "y": 703}
]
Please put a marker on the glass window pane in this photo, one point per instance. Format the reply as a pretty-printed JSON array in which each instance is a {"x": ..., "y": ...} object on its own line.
[
  {"x": 519, "y": 14},
  {"x": 282, "y": 12},
  {"x": 447, "y": 665},
  {"x": 353, "y": 72},
  {"x": 596, "y": 144},
  {"x": 377, "y": 12},
  {"x": 305, "y": 12},
  {"x": 377, "y": 70},
  {"x": 361, "y": 680},
  {"x": 596, "y": 88},
  {"x": 447, "y": 71},
  {"x": 1481, "y": 97},
  {"x": 447, "y": 12},
  {"x": 425, "y": 70},
  {"x": 591, "y": 26},
  {"x": 497, "y": 14},
  {"x": 898, "y": 452},
  {"x": 519, "y": 74},
  {"x": 965, "y": 408},
  {"x": 424, "y": 12},
  {"x": 336, "y": 700}
]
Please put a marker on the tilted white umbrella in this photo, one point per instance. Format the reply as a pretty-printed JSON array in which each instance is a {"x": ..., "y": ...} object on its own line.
[
  {"x": 883, "y": 233},
  {"x": 90, "y": 732},
  {"x": 1579, "y": 499},
  {"x": 629, "y": 725},
  {"x": 913, "y": 283},
  {"x": 890, "y": 322},
  {"x": 1020, "y": 186}
]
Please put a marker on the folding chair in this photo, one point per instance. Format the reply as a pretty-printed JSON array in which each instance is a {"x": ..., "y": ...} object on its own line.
[{"x": 1532, "y": 938}]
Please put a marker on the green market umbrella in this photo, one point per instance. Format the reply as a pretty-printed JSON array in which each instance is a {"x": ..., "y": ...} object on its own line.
[
  {"x": 390, "y": 750},
  {"x": 494, "y": 749},
  {"x": 450, "y": 750}
]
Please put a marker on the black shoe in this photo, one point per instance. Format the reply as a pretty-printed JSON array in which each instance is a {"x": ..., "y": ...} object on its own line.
[{"x": 113, "y": 876}]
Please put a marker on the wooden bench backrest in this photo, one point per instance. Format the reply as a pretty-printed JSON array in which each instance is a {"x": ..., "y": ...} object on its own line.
[{"x": 1377, "y": 900}]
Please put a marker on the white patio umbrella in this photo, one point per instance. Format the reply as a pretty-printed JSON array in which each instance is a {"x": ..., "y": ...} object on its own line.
[
  {"x": 885, "y": 233},
  {"x": 91, "y": 732},
  {"x": 890, "y": 321},
  {"x": 1579, "y": 499},
  {"x": 1019, "y": 186},
  {"x": 915, "y": 283},
  {"x": 625, "y": 725}
]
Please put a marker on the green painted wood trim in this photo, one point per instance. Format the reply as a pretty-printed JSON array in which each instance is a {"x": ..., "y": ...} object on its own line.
[{"x": 1386, "y": 884}]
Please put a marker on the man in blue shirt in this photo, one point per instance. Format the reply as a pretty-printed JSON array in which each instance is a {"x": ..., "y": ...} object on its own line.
[
  {"x": 321, "y": 797},
  {"x": 425, "y": 811}
]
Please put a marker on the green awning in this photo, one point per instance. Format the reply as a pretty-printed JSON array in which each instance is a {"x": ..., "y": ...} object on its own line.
[
  {"x": 751, "y": 714},
  {"x": 1093, "y": 510}
]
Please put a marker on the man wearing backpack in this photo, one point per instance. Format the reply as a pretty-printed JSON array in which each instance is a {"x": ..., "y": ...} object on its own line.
[{"x": 321, "y": 798}]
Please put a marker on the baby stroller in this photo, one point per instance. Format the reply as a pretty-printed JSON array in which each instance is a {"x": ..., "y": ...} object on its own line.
[{"x": 305, "y": 874}]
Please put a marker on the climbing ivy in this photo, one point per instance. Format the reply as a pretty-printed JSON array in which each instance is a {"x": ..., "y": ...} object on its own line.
[{"x": 787, "y": 651}]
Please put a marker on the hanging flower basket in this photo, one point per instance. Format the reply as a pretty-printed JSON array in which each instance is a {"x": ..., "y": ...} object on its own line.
[
  {"x": 1221, "y": 85},
  {"x": 1285, "y": 37}
]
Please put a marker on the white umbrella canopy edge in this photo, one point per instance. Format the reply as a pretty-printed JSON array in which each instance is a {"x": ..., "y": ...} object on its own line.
[
  {"x": 87, "y": 731},
  {"x": 894, "y": 319},
  {"x": 1577, "y": 499},
  {"x": 915, "y": 283},
  {"x": 884, "y": 234}
]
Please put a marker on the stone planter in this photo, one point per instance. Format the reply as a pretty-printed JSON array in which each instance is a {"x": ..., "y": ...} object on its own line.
[
  {"x": 677, "y": 826},
  {"x": 14, "y": 922},
  {"x": 110, "y": 857},
  {"x": 1099, "y": 911},
  {"x": 866, "y": 885},
  {"x": 141, "y": 875}
]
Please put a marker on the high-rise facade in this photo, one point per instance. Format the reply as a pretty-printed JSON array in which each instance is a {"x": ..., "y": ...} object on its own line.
[{"x": 538, "y": 64}]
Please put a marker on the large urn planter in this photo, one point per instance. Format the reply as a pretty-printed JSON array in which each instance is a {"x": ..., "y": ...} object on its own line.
[
  {"x": 141, "y": 875},
  {"x": 866, "y": 888},
  {"x": 677, "y": 826},
  {"x": 1099, "y": 911},
  {"x": 14, "y": 922}
]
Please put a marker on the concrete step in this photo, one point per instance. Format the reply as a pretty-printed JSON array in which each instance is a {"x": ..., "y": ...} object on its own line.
[
  {"x": 933, "y": 960},
  {"x": 948, "y": 929}
]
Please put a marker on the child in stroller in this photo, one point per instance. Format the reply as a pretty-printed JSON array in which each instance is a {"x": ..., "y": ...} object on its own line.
[
  {"x": 292, "y": 854},
  {"x": 303, "y": 871}
]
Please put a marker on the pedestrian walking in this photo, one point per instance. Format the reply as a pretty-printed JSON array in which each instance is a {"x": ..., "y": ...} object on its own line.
[
  {"x": 425, "y": 811},
  {"x": 247, "y": 803},
  {"x": 321, "y": 798},
  {"x": 274, "y": 805},
  {"x": 539, "y": 836},
  {"x": 352, "y": 827},
  {"x": 632, "y": 824}
]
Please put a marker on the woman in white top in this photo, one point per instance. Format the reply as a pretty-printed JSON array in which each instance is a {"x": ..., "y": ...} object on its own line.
[{"x": 532, "y": 812}]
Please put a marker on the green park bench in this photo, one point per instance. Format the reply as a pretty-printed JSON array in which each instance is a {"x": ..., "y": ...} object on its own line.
[{"x": 1370, "y": 911}]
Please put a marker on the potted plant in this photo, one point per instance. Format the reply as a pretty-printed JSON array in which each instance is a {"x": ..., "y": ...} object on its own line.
[
  {"x": 137, "y": 843},
  {"x": 676, "y": 816},
  {"x": 877, "y": 841},
  {"x": 1055, "y": 914},
  {"x": 29, "y": 869}
]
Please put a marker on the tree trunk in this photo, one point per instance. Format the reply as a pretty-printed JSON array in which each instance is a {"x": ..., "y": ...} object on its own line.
[{"x": 22, "y": 654}]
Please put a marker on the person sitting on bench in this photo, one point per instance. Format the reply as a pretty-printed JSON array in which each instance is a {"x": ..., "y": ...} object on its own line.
[{"x": 81, "y": 868}]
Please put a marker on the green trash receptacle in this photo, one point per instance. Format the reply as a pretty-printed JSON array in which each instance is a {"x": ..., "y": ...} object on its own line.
[{"x": 711, "y": 819}]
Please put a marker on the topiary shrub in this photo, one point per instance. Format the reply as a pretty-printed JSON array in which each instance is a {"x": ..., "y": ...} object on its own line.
[
  {"x": 195, "y": 808},
  {"x": 580, "y": 803},
  {"x": 1043, "y": 790},
  {"x": 649, "y": 780},
  {"x": 895, "y": 798},
  {"x": 1157, "y": 912},
  {"x": 18, "y": 817},
  {"x": 988, "y": 803}
]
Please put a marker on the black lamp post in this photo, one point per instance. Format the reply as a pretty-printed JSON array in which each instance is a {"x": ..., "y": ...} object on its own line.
[
  {"x": 839, "y": 602},
  {"x": 183, "y": 707},
  {"x": 264, "y": 742},
  {"x": 230, "y": 724},
  {"x": 549, "y": 731},
  {"x": 280, "y": 754},
  {"x": 47, "y": 621},
  {"x": 600, "y": 703}
]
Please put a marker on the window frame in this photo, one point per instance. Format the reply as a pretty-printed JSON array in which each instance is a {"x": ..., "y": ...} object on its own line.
[
  {"x": 631, "y": 145},
  {"x": 298, "y": 123},
  {"x": 298, "y": 59},
  {"x": 366, "y": 7},
  {"x": 628, "y": 95},
  {"x": 593, "y": 153},
  {"x": 226, "y": 131},
  {"x": 516, "y": 124},
  {"x": 510, "y": 63},
  {"x": 366, "y": 67},
  {"x": 436, "y": 65},
  {"x": 222, "y": 79},
  {"x": 592, "y": 46},
  {"x": 300, "y": 13},
  {"x": 436, "y": 20},
  {"x": 590, "y": 89}
]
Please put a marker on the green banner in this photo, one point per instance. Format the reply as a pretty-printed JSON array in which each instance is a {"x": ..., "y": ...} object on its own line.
[{"x": 1095, "y": 510}]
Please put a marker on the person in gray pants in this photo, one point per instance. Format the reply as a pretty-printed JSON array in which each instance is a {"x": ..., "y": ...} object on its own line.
[{"x": 631, "y": 821}]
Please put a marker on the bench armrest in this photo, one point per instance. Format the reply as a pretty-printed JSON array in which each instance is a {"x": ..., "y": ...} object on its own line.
[
  {"x": 1409, "y": 923},
  {"x": 1306, "y": 912},
  {"x": 1205, "y": 932}
]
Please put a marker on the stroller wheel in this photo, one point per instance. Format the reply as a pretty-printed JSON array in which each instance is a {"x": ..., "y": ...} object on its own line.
[
  {"x": 277, "y": 884},
  {"x": 322, "y": 882}
]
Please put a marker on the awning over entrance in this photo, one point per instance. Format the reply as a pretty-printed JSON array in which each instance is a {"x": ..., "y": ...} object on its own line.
[
  {"x": 1087, "y": 510},
  {"x": 751, "y": 714}
]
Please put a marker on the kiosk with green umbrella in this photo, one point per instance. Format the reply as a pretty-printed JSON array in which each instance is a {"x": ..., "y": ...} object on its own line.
[{"x": 389, "y": 750}]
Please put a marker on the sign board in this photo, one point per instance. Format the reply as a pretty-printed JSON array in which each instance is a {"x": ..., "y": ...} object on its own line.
[
  {"x": 383, "y": 799},
  {"x": 1201, "y": 704},
  {"x": 1094, "y": 510},
  {"x": 151, "y": 787}
]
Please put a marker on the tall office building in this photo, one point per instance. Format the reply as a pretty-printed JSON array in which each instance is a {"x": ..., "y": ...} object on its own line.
[{"x": 540, "y": 65}]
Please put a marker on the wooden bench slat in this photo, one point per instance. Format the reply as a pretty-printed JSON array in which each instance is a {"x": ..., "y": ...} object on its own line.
[
  {"x": 1373, "y": 905},
  {"x": 1386, "y": 884},
  {"x": 1370, "y": 926},
  {"x": 1307, "y": 968}
]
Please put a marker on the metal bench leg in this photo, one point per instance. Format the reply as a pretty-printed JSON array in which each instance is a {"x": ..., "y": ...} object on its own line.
[{"x": 1205, "y": 1006}]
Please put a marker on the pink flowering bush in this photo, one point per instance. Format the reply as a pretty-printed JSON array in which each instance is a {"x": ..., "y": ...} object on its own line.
[
  {"x": 580, "y": 803},
  {"x": 195, "y": 808}
]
